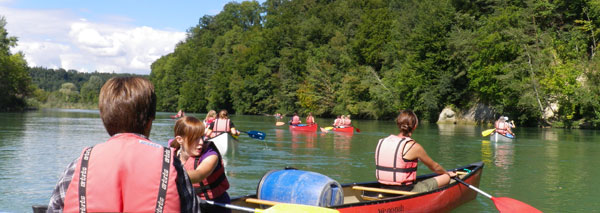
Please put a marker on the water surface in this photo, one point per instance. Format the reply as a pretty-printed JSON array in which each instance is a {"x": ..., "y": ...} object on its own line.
[{"x": 551, "y": 169}]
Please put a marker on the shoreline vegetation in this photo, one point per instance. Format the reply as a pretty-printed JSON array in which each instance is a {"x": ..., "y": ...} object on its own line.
[{"x": 449, "y": 61}]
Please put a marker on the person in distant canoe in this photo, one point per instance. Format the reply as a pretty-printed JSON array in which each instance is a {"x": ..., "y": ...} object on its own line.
[
  {"x": 210, "y": 117},
  {"x": 203, "y": 163},
  {"x": 295, "y": 120},
  {"x": 310, "y": 119},
  {"x": 347, "y": 121},
  {"x": 397, "y": 158},
  {"x": 337, "y": 121},
  {"x": 503, "y": 127},
  {"x": 221, "y": 125}
]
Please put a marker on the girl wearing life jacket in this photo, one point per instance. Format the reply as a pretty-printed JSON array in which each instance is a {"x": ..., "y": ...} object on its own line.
[
  {"x": 203, "y": 163},
  {"x": 295, "y": 120},
  {"x": 210, "y": 117},
  {"x": 347, "y": 121},
  {"x": 221, "y": 125},
  {"x": 397, "y": 157},
  {"x": 310, "y": 119}
]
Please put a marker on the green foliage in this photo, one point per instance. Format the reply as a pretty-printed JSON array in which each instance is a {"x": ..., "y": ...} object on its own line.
[
  {"x": 14, "y": 81},
  {"x": 526, "y": 59}
]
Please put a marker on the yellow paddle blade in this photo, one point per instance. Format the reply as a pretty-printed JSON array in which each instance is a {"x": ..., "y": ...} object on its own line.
[
  {"x": 328, "y": 128},
  {"x": 279, "y": 123},
  {"x": 487, "y": 132},
  {"x": 295, "y": 208}
]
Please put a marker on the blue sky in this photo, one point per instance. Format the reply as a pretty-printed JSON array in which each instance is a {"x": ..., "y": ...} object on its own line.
[{"x": 122, "y": 36}]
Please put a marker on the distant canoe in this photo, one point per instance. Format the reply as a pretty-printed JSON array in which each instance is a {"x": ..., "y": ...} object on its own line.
[
  {"x": 500, "y": 138},
  {"x": 303, "y": 127},
  {"x": 442, "y": 199}
]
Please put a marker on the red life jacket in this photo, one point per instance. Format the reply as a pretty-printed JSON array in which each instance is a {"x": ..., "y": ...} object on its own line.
[
  {"x": 310, "y": 120},
  {"x": 501, "y": 127},
  {"x": 215, "y": 184},
  {"x": 220, "y": 126},
  {"x": 390, "y": 166},
  {"x": 347, "y": 122},
  {"x": 295, "y": 120},
  {"x": 127, "y": 173}
]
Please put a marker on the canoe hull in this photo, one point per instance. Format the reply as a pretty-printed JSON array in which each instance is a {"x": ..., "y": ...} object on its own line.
[
  {"x": 500, "y": 138},
  {"x": 345, "y": 129},
  {"x": 440, "y": 200},
  {"x": 225, "y": 142},
  {"x": 307, "y": 128}
]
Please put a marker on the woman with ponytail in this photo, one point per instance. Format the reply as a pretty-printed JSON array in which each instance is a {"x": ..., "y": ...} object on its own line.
[{"x": 397, "y": 157}]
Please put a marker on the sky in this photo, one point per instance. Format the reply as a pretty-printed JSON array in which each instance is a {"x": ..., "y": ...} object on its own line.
[{"x": 120, "y": 36}]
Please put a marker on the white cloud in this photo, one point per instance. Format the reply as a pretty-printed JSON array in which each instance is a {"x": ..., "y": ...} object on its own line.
[{"x": 60, "y": 39}]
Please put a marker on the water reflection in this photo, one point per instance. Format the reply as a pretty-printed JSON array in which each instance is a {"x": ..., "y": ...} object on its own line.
[
  {"x": 307, "y": 137},
  {"x": 342, "y": 142}
]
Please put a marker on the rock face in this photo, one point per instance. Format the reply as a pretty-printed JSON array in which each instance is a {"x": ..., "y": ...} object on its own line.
[{"x": 477, "y": 114}]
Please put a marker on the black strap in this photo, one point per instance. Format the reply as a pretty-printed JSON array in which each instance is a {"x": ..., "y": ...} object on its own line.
[
  {"x": 83, "y": 179},
  {"x": 396, "y": 155},
  {"x": 164, "y": 181},
  {"x": 390, "y": 169}
]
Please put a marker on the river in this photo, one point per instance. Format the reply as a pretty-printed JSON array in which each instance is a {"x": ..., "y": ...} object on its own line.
[{"x": 550, "y": 169}]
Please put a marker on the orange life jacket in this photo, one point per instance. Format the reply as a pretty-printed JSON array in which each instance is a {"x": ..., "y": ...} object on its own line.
[
  {"x": 501, "y": 127},
  {"x": 127, "y": 173},
  {"x": 390, "y": 166},
  {"x": 310, "y": 120},
  {"x": 295, "y": 120},
  {"x": 220, "y": 126},
  {"x": 215, "y": 184}
]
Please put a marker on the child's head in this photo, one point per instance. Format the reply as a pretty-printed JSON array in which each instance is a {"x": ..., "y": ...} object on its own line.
[
  {"x": 127, "y": 105},
  {"x": 407, "y": 122},
  {"x": 188, "y": 132},
  {"x": 211, "y": 114}
]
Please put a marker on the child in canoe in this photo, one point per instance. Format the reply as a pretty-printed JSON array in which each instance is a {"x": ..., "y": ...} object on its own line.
[{"x": 203, "y": 163}]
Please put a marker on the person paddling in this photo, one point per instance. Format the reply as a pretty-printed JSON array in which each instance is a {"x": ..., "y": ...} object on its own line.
[
  {"x": 336, "y": 122},
  {"x": 222, "y": 125},
  {"x": 503, "y": 127},
  {"x": 129, "y": 172},
  {"x": 397, "y": 158},
  {"x": 211, "y": 116},
  {"x": 310, "y": 119},
  {"x": 203, "y": 163},
  {"x": 295, "y": 120}
]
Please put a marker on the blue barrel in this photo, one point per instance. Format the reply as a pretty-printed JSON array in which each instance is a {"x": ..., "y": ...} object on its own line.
[{"x": 300, "y": 187}]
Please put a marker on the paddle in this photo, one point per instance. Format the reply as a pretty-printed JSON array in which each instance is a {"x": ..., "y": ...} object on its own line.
[
  {"x": 279, "y": 207},
  {"x": 357, "y": 129},
  {"x": 503, "y": 204},
  {"x": 255, "y": 134},
  {"x": 487, "y": 132},
  {"x": 279, "y": 123}
]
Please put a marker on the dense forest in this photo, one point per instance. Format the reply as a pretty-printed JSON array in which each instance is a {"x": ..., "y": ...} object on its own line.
[{"x": 533, "y": 60}]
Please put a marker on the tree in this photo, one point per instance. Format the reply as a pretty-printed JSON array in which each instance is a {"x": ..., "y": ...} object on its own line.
[{"x": 14, "y": 80}]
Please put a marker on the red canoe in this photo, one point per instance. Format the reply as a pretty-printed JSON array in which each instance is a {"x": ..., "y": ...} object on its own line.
[
  {"x": 345, "y": 129},
  {"x": 302, "y": 127},
  {"x": 440, "y": 200}
]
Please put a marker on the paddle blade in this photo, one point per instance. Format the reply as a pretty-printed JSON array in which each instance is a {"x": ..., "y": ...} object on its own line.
[
  {"x": 487, "y": 132},
  {"x": 328, "y": 128},
  {"x": 279, "y": 123},
  {"x": 257, "y": 135},
  {"x": 505, "y": 204},
  {"x": 297, "y": 208},
  {"x": 357, "y": 129}
]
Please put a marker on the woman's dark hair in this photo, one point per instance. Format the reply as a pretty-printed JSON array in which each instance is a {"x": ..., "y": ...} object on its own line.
[{"x": 407, "y": 121}]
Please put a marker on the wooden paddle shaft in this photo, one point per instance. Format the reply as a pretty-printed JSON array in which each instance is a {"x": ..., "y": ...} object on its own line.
[{"x": 389, "y": 191}]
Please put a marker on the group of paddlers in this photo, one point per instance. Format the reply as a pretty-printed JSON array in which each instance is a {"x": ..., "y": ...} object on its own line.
[
  {"x": 342, "y": 121},
  {"x": 295, "y": 121}
]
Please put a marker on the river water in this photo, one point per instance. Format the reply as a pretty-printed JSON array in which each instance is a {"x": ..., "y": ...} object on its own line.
[{"x": 551, "y": 169}]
